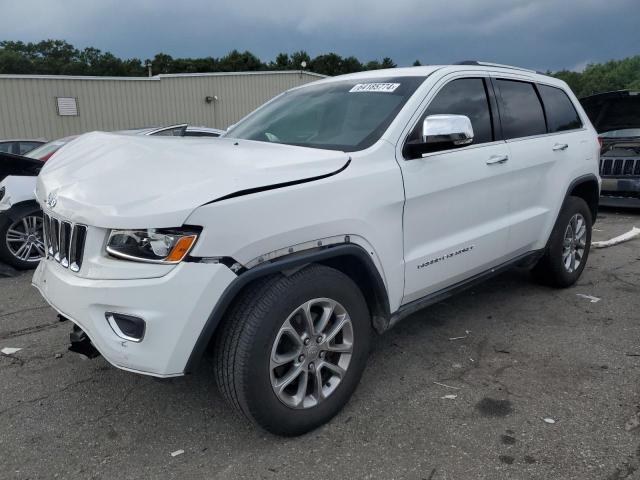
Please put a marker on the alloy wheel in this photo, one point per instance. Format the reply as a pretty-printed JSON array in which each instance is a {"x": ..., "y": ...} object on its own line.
[
  {"x": 25, "y": 239},
  {"x": 311, "y": 353},
  {"x": 575, "y": 242}
]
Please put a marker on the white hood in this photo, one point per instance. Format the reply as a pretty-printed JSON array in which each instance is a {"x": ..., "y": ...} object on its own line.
[{"x": 118, "y": 181}]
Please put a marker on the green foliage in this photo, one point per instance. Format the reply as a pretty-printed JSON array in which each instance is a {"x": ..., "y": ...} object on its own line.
[
  {"x": 604, "y": 77},
  {"x": 57, "y": 57},
  {"x": 298, "y": 57}
]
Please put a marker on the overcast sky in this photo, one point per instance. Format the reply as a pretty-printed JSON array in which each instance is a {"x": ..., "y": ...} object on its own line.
[{"x": 540, "y": 34}]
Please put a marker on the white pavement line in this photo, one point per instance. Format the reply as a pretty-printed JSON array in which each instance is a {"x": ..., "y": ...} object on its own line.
[{"x": 591, "y": 298}]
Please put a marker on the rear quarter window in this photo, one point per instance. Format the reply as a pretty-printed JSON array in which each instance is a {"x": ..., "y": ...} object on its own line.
[
  {"x": 521, "y": 112},
  {"x": 561, "y": 114}
]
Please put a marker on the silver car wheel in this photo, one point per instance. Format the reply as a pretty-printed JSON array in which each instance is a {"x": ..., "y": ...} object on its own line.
[
  {"x": 24, "y": 239},
  {"x": 311, "y": 353},
  {"x": 575, "y": 242}
]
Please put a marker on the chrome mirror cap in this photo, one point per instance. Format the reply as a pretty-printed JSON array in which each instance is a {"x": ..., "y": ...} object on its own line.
[{"x": 447, "y": 128}]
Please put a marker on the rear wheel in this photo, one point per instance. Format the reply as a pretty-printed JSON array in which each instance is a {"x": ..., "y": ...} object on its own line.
[
  {"x": 22, "y": 238},
  {"x": 568, "y": 247},
  {"x": 292, "y": 349}
]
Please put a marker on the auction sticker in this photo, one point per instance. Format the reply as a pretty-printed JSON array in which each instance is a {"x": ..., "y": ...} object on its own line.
[{"x": 374, "y": 87}]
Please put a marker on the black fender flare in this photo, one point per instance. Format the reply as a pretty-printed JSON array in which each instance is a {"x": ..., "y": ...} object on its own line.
[
  {"x": 588, "y": 178},
  {"x": 289, "y": 262},
  {"x": 583, "y": 179},
  {"x": 19, "y": 209}
]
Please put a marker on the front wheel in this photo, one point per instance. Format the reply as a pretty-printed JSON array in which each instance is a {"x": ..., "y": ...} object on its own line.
[
  {"x": 292, "y": 349},
  {"x": 569, "y": 245},
  {"x": 21, "y": 237}
]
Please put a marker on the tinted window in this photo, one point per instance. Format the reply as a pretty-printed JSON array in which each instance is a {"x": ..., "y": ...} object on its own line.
[
  {"x": 28, "y": 146},
  {"x": 466, "y": 96},
  {"x": 561, "y": 114},
  {"x": 520, "y": 110},
  {"x": 6, "y": 147}
]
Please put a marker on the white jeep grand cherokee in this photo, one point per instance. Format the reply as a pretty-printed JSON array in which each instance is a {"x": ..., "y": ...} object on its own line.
[{"x": 328, "y": 214}]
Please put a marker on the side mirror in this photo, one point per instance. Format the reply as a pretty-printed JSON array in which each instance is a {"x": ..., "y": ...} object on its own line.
[{"x": 441, "y": 132}]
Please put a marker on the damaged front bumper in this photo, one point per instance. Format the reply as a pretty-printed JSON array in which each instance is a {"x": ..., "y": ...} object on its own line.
[{"x": 175, "y": 308}]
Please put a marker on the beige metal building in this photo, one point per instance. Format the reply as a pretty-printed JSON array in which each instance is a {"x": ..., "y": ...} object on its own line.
[{"x": 42, "y": 106}]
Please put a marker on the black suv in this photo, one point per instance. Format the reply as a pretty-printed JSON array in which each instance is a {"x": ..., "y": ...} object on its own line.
[{"x": 616, "y": 117}]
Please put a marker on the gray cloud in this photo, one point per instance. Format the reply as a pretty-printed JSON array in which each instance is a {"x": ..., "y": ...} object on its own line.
[{"x": 543, "y": 34}]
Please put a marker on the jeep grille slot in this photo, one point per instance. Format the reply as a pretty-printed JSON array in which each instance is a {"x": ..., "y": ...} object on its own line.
[
  {"x": 619, "y": 167},
  {"x": 64, "y": 242}
]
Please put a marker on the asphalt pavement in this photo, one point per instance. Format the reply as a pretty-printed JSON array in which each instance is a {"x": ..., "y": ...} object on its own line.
[{"x": 510, "y": 380}]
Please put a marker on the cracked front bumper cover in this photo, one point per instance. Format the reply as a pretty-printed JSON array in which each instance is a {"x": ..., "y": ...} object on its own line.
[{"x": 175, "y": 307}]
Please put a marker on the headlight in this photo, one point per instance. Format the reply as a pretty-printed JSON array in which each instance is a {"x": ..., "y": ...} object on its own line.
[{"x": 162, "y": 245}]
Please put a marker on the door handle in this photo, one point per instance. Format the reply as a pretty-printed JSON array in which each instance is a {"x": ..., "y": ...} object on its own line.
[
  {"x": 495, "y": 159},
  {"x": 560, "y": 146}
]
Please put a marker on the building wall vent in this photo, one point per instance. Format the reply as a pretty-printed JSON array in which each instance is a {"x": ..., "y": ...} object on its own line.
[{"x": 67, "y": 106}]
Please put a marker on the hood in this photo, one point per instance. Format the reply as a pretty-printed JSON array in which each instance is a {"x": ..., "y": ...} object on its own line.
[
  {"x": 613, "y": 110},
  {"x": 118, "y": 181},
  {"x": 11, "y": 164}
]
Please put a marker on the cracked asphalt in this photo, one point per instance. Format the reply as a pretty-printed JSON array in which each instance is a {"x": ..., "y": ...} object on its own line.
[{"x": 458, "y": 391}]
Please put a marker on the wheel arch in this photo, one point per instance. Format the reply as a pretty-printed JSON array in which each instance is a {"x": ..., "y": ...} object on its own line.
[
  {"x": 351, "y": 259},
  {"x": 587, "y": 188},
  {"x": 17, "y": 209}
]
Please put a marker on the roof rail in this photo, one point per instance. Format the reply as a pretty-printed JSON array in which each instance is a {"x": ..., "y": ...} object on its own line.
[{"x": 489, "y": 64}]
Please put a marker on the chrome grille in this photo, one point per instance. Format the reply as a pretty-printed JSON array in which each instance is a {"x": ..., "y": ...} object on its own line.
[
  {"x": 619, "y": 167},
  {"x": 64, "y": 242}
]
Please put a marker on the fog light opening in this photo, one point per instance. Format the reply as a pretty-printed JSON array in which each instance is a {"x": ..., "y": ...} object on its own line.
[{"x": 127, "y": 327}]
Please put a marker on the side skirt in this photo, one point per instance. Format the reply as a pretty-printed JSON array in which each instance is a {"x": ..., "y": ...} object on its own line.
[{"x": 404, "y": 311}]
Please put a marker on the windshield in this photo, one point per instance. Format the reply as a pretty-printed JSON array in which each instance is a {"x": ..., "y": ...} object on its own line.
[
  {"x": 347, "y": 115},
  {"x": 624, "y": 133}
]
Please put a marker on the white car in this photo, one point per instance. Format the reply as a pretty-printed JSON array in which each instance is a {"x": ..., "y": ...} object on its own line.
[
  {"x": 21, "y": 238},
  {"x": 328, "y": 214}
]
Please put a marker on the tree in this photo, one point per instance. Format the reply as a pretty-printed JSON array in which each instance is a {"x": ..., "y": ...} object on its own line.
[
  {"x": 327, "y": 64},
  {"x": 14, "y": 62},
  {"x": 603, "y": 77},
  {"x": 283, "y": 62},
  {"x": 373, "y": 65},
  {"x": 387, "y": 63},
  {"x": 58, "y": 57},
  {"x": 417, "y": 63},
  {"x": 351, "y": 65},
  {"x": 298, "y": 57},
  {"x": 235, "y": 61},
  {"x": 162, "y": 63}
]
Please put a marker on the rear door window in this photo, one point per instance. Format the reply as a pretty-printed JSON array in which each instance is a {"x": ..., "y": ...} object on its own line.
[
  {"x": 561, "y": 114},
  {"x": 521, "y": 112}
]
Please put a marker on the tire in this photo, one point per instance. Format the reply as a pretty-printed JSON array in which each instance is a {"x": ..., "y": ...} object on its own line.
[
  {"x": 552, "y": 268},
  {"x": 22, "y": 221},
  {"x": 253, "y": 335}
]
